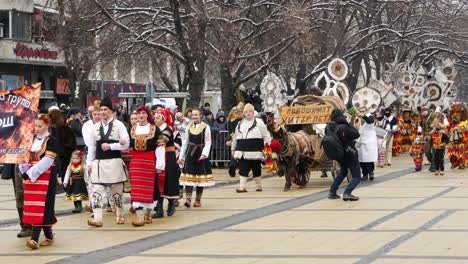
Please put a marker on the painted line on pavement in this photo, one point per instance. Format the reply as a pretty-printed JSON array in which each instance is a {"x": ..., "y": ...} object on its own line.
[
  {"x": 155, "y": 241},
  {"x": 407, "y": 208},
  {"x": 398, "y": 241}
]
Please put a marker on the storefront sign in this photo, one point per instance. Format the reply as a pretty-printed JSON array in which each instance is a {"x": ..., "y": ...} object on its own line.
[
  {"x": 45, "y": 53},
  {"x": 311, "y": 114},
  {"x": 23, "y": 51}
]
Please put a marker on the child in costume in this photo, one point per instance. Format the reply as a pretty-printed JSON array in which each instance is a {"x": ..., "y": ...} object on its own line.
[
  {"x": 439, "y": 140},
  {"x": 417, "y": 148},
  {"x": 74, "y": 181}
]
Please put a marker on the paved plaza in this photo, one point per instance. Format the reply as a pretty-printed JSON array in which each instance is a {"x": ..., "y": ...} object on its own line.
[{"x": 402, "y": 217}]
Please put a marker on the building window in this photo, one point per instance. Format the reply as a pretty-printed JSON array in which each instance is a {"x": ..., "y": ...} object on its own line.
[
  {"x": 21, "y": 26},
  {"x": 5, "y": 23}
]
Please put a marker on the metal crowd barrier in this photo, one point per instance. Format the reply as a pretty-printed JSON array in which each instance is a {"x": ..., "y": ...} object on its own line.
[{"x": 219, "y": 151}]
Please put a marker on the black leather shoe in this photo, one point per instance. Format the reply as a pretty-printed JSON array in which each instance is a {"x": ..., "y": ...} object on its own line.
[
  {"x": 371, "y": 176},
  {"x": 364, "y": 178},
  {"x": 350, "y": 197},
  {"x": 171, "y": 207},
  {"x": 333, "y": 196}
]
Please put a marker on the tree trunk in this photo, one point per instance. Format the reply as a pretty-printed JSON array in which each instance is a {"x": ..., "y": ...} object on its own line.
[
  {"x": 228, "y": 99},
  {"x": 301, "y": 74},
  {"x": 196, "y": 85}
]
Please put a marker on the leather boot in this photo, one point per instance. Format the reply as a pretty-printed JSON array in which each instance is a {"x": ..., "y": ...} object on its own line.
[
  {"x": 171, "y": 207},
  {"x": 140, "y": 218},
  {"x": 159, "y": 209}
]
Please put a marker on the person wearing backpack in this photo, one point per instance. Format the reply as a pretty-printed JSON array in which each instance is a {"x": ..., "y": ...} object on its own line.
[{"x": 347, "y": 136}]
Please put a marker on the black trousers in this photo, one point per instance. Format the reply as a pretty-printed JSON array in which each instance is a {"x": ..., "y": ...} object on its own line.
[
  {"x": 367, "y": 168},
  {"x": 438, "y": 160},
  {"x": 246, "y": 165}
]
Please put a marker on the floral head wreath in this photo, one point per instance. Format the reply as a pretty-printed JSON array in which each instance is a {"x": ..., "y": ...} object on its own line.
[
  {"x": 79, "y": 153},
  {"x": 44, "y": 118}
]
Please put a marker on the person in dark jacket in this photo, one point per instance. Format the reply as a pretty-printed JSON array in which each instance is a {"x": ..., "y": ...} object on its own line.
[
  {"x": 347, "y": 136},
  {"x": 76, "y": 126},
  {"x": 220, "y": 139}
]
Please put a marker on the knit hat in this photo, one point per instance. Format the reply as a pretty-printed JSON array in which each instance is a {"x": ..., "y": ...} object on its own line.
[
  {"x": 336, "y": 113},
  {"x": 107, "y": 103},
  {"x": 249, "y": 107},
  {"x": 74, "y": 111}
]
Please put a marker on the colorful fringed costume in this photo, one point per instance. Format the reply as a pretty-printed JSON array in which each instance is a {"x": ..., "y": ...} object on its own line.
[
  {"x": 456, "y": 152},
  {"x": 417, "y": 151}
]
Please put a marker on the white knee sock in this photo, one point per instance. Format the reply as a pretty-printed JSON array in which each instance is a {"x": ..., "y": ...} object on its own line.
[
  {"x": 242, "y": 182},
  {"x": 258, "y": 182}
]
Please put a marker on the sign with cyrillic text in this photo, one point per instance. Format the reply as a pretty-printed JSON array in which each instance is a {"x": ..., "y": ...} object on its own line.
[{"x": 309, "y": 114}]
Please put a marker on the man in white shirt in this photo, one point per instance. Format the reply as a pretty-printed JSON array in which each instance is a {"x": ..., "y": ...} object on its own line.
[
  {"x": 87, "y": 129},
  {"x": 104, "y": 161}
]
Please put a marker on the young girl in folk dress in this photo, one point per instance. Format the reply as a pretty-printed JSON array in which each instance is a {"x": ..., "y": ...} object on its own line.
[
  {"x": 74, "y": 182},
  {"x": 196, "y": 171},
  {"x": 39, "y": 185}
]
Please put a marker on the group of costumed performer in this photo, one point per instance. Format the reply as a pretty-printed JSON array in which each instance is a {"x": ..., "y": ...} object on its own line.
[
  {"x": 108, "y": 138},
  {"x": 194, "y": 158},
  {"x": 39, "y": 185}
]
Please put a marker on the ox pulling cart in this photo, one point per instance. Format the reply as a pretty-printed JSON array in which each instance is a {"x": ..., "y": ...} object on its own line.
[{"x": 302, "y": 126}]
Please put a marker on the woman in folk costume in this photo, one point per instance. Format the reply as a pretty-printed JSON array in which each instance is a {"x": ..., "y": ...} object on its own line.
[
  {"x": 417, "y": 150},
  {"x": 367, "y": 149},
  {"x": 74, "y": 182},
  {"x": 196, "y": 171},
  {"x": 39, "y": 185},
  {"x": 146, "y": 160},
  {"x": 247, "y": 147},
  {"x": 167, "y": 179}
]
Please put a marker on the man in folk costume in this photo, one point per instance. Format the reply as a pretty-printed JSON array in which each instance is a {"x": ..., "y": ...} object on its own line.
[
  {"x": 86, "y": 131},
  {"x": 247, "y": 147},
  {"x": 40, "y": 185},
  {"x": 146, "y": 160},
  {"x": 104, "y": 161},
  {"x": 168, "y": 178}
]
